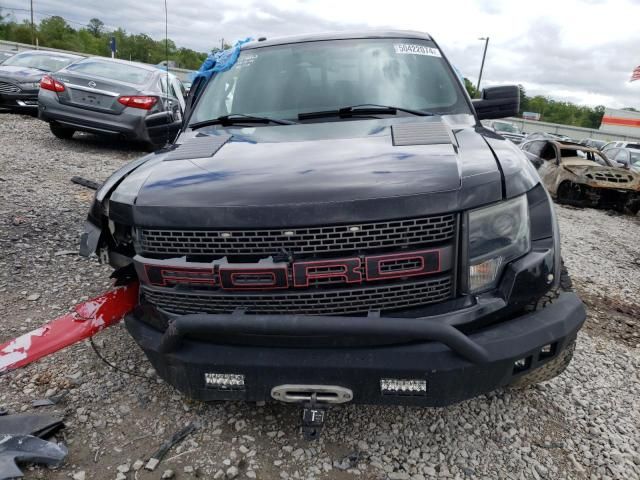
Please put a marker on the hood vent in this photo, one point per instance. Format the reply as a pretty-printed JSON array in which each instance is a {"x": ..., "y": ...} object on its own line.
[
  {"x": 198, "y": 147},
  {"x": 423, "y": 133}
]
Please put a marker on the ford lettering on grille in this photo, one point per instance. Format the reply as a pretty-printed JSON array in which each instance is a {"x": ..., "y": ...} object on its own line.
[{"x": 298, "y": 274}]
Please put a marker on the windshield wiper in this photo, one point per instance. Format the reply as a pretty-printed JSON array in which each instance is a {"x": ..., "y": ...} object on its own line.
[
  {"x": 238, "y": 118},
  {"x": 363, "y": 109}
]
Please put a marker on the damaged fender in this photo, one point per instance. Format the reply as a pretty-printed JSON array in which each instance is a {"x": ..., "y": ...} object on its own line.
[{"x": 86, "y": 320}]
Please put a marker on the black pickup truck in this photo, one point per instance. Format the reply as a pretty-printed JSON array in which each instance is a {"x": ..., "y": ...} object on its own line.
[{"x": 334, "y": 224}]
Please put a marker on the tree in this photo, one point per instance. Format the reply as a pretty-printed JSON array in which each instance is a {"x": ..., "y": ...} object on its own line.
[
  {"x": 95, "y": 27},
  {"x": 471, "y": 90},
  {"x": 524, "y": 100},
  {"x": 55, "y": 32}
]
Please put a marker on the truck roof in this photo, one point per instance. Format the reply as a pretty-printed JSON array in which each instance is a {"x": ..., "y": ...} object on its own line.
[{"x": 336, "y": 36}]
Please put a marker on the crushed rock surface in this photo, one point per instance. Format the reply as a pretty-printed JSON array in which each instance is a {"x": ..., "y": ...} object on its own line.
[{"x": 584, "y": 424}]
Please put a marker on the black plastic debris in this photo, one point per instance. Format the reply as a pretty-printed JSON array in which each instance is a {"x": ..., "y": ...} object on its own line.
[
  {"x": 166, "y": 446},
  {"x": 52, "y": 400},
  {"x": 16, "y": 449},
  {"x": 85, "y": 182},
  {"x": 42, "y": 426}
]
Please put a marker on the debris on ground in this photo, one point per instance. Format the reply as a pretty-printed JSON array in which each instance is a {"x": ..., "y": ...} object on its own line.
[
  {"x": 27, "y": 449},
  {"x": 39, "y": 425},
  {"x": 87, "y": 319},
  {"x": 86, "y": 182},
  {"x": 49, "y": 401},
  {"x": 176, "y": 438}
]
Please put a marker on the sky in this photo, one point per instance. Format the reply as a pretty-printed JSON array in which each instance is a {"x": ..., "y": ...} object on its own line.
[{"x": 581, "y": 51}]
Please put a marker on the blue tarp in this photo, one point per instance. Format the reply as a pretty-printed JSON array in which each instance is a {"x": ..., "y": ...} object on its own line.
[{"x": 220, "y": 61}]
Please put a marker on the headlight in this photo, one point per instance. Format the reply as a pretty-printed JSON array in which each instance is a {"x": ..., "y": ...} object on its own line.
[{"x": 497, "y": 234}]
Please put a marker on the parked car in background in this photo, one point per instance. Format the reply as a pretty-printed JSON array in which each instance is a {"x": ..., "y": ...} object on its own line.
[
  {"x": 620, "y": 144},
  {"x": 549, "y": 136},
  {"x": 4, "y": 54},
  {"x": 583, "y": 176},
  {"x": 628, "y": 157},
  {"x": 593, "y": 143},
  {"x": 508, "y": 130},
  {"x": 113, "y": 97},
  {"x": 20, "y": 76}
]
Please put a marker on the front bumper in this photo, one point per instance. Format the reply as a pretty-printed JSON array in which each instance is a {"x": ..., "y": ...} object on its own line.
[
  {"x": 22, "y": 100},
  {"x": 455, "y": 366}
]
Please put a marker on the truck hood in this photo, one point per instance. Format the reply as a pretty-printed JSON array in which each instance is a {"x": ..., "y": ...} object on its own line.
[
  {"x": 312, "y": 168},
  {"x": 21, "y": 74}
]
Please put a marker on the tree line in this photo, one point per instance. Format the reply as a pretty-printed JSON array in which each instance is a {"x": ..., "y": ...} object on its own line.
[
  {"x": 93, "y": 39},
  {"x": 553, "y": 111}
]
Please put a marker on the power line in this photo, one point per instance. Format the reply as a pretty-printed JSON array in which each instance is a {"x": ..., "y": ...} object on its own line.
[{"x": 49, "y": 15}]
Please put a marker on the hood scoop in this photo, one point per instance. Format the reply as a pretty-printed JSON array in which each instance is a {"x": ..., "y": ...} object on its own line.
[
  {"x": 423, "y": 133},
  {"x": 198, "y": 147}
]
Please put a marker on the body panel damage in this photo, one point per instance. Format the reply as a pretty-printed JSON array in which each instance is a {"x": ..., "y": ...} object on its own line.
[{"x": 585, "y": 177}]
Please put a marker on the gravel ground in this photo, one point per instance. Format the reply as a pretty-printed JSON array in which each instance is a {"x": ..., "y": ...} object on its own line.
[{"x": 583, "y": 424}]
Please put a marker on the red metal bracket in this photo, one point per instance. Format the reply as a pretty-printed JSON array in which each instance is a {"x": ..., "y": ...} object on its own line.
[{"x": 86, "y": 320}]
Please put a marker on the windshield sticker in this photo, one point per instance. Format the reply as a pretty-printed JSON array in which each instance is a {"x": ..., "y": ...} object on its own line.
[
  {"x": 408, "y": 49},
  {"x": 245, "y": 61}
]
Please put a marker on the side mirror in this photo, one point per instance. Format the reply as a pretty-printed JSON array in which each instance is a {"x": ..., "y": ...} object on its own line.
[
  {"x": 163, "y": 127},
  {"x": 498, "y": 102}
]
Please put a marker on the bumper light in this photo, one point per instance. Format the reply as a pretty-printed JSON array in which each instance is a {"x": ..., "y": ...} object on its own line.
[
  {"x": 521, "y": 365},
  {"x": 224, "y": 381},
  {"x": 484, "y": 273},
  {"x": 394, "y": 386}
]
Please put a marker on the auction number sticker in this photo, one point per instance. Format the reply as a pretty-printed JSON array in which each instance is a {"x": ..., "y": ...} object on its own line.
[
  {"x": 245, "y": 60},
  {"x": 409, "y": 49}
]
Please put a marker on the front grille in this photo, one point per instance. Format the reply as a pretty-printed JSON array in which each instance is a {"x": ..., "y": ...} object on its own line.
[
  {"x": 308, "y": 240},
  {"x": 613, "y": 177},
  {"x": 388, "y": 297},
  {"x": 6, "y": 87}
]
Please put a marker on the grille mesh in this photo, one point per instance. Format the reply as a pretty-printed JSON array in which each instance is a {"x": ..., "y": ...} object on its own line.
[
  {"x": 9, "y": 88},
  {"x": 310, "y": 240},
  {"x": 314, "y": 302},
  {"x": 613, "y": 177}
]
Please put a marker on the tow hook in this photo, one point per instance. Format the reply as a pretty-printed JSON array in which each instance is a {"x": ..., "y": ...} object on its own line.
[
  {"x": 313, "y": 417},
  {"x": 315, "y": 401}
]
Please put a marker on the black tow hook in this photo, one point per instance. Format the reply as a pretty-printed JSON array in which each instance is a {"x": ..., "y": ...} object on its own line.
[{"x": 314, "y": 415}]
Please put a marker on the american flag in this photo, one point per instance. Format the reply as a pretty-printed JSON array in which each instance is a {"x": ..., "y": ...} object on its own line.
[{"x": 635, "y": 75}]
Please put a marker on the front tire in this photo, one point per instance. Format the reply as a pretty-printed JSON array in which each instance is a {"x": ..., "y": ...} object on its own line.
[
  {"x": 61, "y": 132},
  {"x": 556, "y": 366}
]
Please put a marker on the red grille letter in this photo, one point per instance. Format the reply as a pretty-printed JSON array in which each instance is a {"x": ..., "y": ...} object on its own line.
[{"x": 345, "y": 269}]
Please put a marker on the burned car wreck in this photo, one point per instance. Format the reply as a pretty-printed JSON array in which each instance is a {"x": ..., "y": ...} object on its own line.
[
  {"x": 583, "y": 176},
  {"x": 316, "y": 239}
]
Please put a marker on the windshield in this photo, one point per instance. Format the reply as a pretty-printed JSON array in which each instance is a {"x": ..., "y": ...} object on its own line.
[
  {"x": 120, "y": 72},
  {"x": 286, "y": 80},
  {"x": 506, "y": 127},
  {"x": 46, "y": 62},
  {"x": 634, "y": 157},
  {"x": 587, "y": 154}
]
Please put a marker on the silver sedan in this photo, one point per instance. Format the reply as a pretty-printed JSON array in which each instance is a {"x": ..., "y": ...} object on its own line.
[{"x": 113, "y": 97}]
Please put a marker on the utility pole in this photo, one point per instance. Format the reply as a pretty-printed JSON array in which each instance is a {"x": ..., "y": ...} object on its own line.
[
  {"x": 33, "y": 30},
  {"x": 484, "y": 55},
  {"x": 222, "y": 43}
]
